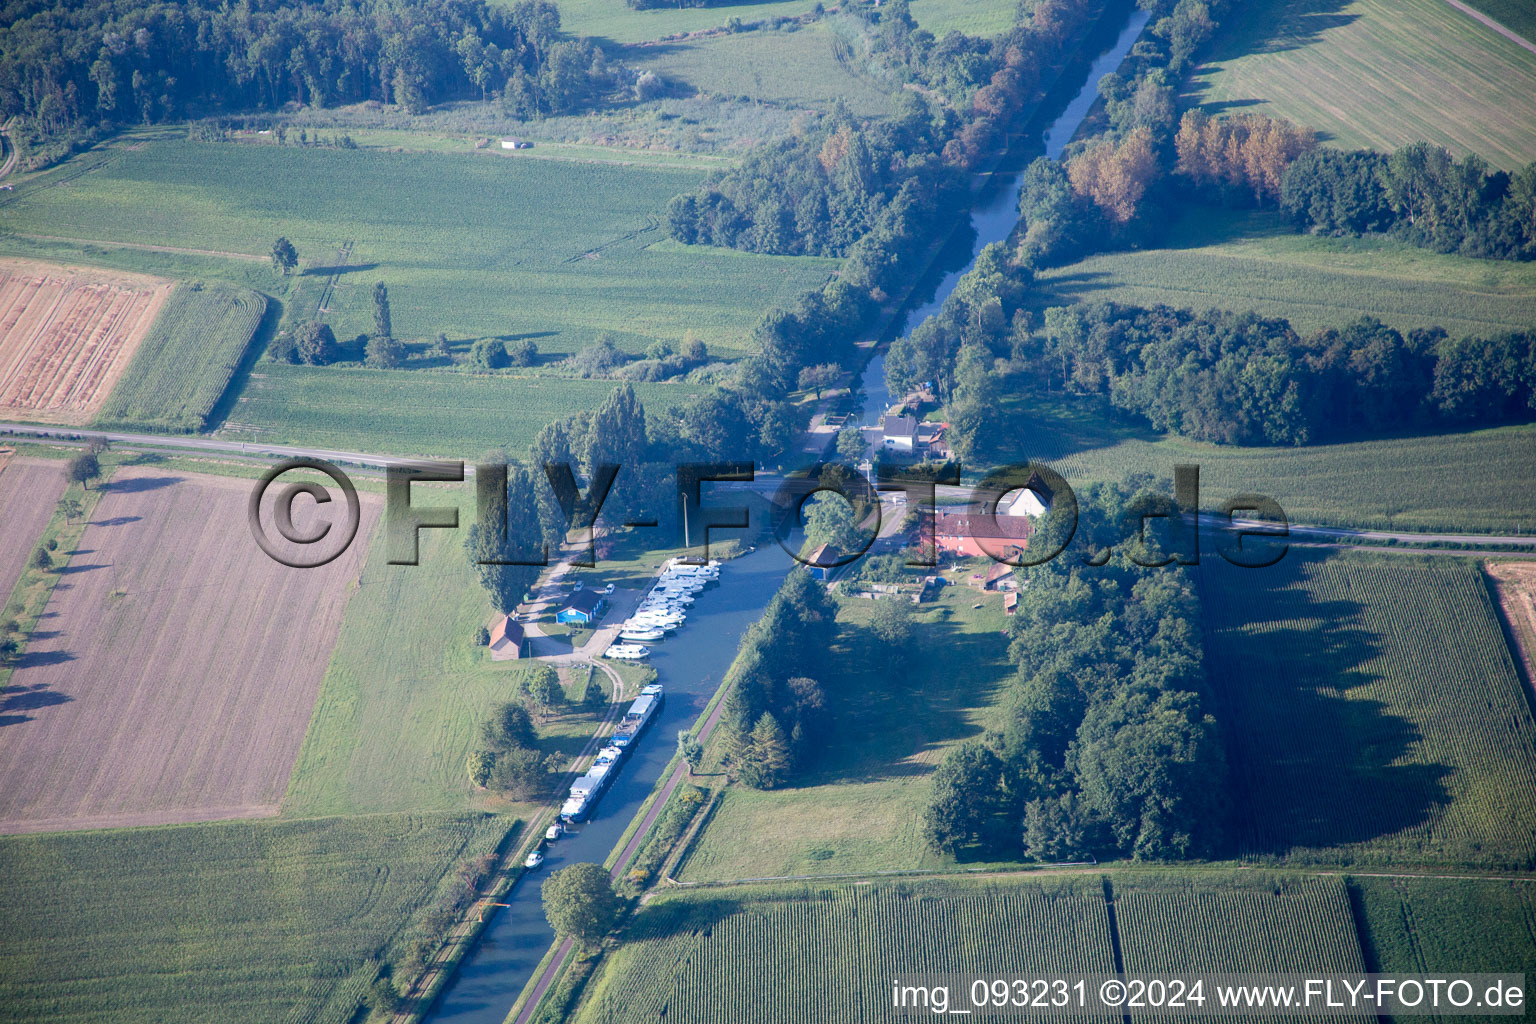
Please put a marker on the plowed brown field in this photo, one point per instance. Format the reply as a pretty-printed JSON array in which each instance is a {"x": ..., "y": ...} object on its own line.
[
  {"x": 173, "y": 674},
  {"x": 67, "y": 334},
  {"x": 29, "y": 490}
]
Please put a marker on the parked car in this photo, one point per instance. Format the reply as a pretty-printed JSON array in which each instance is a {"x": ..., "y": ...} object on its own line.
[{"x": 608, "y": 589}]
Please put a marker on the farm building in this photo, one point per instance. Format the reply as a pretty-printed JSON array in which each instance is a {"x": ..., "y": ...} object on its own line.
[
  {"x": 582, "y": 609},
  {"x": 514, "y": 142},
  {"x": 899, "y": 433},
  {"x": 967, "y": 533},
  {"x": 507, "y": 640},
  {"x": 998, "y": 577},
  {"x": 1011, "y": 603}
]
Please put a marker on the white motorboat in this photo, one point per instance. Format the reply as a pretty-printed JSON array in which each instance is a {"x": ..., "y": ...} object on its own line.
[
  {"x": 628, "y": 652},
  {"x": 641, "y": 633}
]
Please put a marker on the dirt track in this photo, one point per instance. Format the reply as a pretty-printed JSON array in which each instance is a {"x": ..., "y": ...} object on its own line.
[
  {"x": 29, "y": 489},
  {"x": 173, "y": 674},
  {"x": 1516, "y": 586}
]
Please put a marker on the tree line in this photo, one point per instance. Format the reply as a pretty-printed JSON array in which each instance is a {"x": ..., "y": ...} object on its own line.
[
  {"x": 1234, "y": 378},
  {"x": 1107, "y": 746},
  {"x": 75, "y": 68},
  {"x": 776, "y": 712}
]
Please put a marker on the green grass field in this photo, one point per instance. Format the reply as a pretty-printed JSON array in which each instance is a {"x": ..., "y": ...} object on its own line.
[
  {"x": 1479, "y": 481},
  {"x": 1197, "y": 923},
  {"x": 971, "y": 17},
  {"x": 414, "y": 412},
  {"x": 829, "y": 954},
  {"x": 187, "y": 360},
  {"x": 406, "y": 690},
  {"x": 620, "y": 23},
  {"x": 1518, "y": 16},
  {"x": 859, "y": 807},
  {"x": 1372, "y": 712},
  {"x": 259, "y": 920},
  {"x": 1214, "y": 258},
  {"x": 808, "y": 67},
  {"x": 1418, "y": 925},
  {"x": 1378, "y": 74},
  {"x": 473, "y": 245}
]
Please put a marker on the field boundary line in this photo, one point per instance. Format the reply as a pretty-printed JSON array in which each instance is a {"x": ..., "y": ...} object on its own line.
[
  {"x": 1507, "y": 33},
  {"x": 144, "y": 246}
]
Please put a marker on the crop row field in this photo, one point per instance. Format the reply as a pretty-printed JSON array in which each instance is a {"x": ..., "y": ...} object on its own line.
[
  {"x": 1378, "y": 74},
  {"x": 470, "y": 245},
  {"x": 67, "y": 334},
  {"x": 187, "y": 359},
  {"x": 829, "y": 954},
  {"x": 415, "y": 412},
  {"x": 1372, "y": 712},
  {"x": 1255, "y": 262},
  {"x": 1413, "y": 925},
  {"x": 219, "y": 923},
  {"x": 205, "y": 717}
]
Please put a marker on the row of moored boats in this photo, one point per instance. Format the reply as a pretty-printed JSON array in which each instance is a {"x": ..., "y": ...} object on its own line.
[
  {"x": 665, "y": 608},
  {"x": 587, "y": 790}
]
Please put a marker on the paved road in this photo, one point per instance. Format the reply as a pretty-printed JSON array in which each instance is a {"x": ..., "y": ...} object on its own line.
[{"x": 766, "y": 484}]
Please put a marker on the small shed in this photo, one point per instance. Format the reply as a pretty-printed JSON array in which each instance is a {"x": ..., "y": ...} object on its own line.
[
  {"x": 508, "y": 640},
  {"x": 999, "y": 577},
  {"x": 820, "y": 562},
  {"x": 1011, "y": 602},
  {"x": 582, "y": 609},
  {"x": 515, "y": 142}
]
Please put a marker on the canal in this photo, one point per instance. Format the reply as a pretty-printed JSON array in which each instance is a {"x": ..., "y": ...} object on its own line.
[{"x": 693, "y": 661}]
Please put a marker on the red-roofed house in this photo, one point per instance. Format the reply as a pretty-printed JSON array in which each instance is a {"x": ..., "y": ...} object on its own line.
[{"x": 507, "y": 640}]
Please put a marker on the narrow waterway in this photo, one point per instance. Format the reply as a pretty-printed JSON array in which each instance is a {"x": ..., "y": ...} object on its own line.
[
  {"x": 996, "y": 212},
  {"x": 692, "y": 662}
]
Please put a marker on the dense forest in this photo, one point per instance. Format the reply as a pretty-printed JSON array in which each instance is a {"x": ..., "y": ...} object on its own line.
[
  {"x": 68, "y": 69},
  {"x": 1107, "y": 747}
]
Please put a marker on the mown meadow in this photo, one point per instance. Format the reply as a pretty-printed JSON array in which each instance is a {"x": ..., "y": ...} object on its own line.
[
  {"x": 471, "y": 245},
  {"x": 407, "y": 687},
  {"x": 1211, "y": 258},
  {"x": 231, "y": 922},
  {"x": 1377, "y": 74},
  {"x": 414, "y": 412},
  {"x": 1472, "y": 481}
]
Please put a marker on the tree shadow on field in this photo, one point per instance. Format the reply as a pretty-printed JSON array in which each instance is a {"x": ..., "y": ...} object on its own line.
[
  {"x": 677, "y": 917},
  {"x": 114, "y": 521},
  {"x": 1311, "y": 765},
  {"x": 28, "y": 698},
  {"x": 887, "y": 707},
  {"x": 73, "y": 570},
  {"x": 1275, "y": 28},
  {"x": 341, "y": 268},
  {"x": 138, "y": 484},
  {"x": 38, "y": 659}
]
